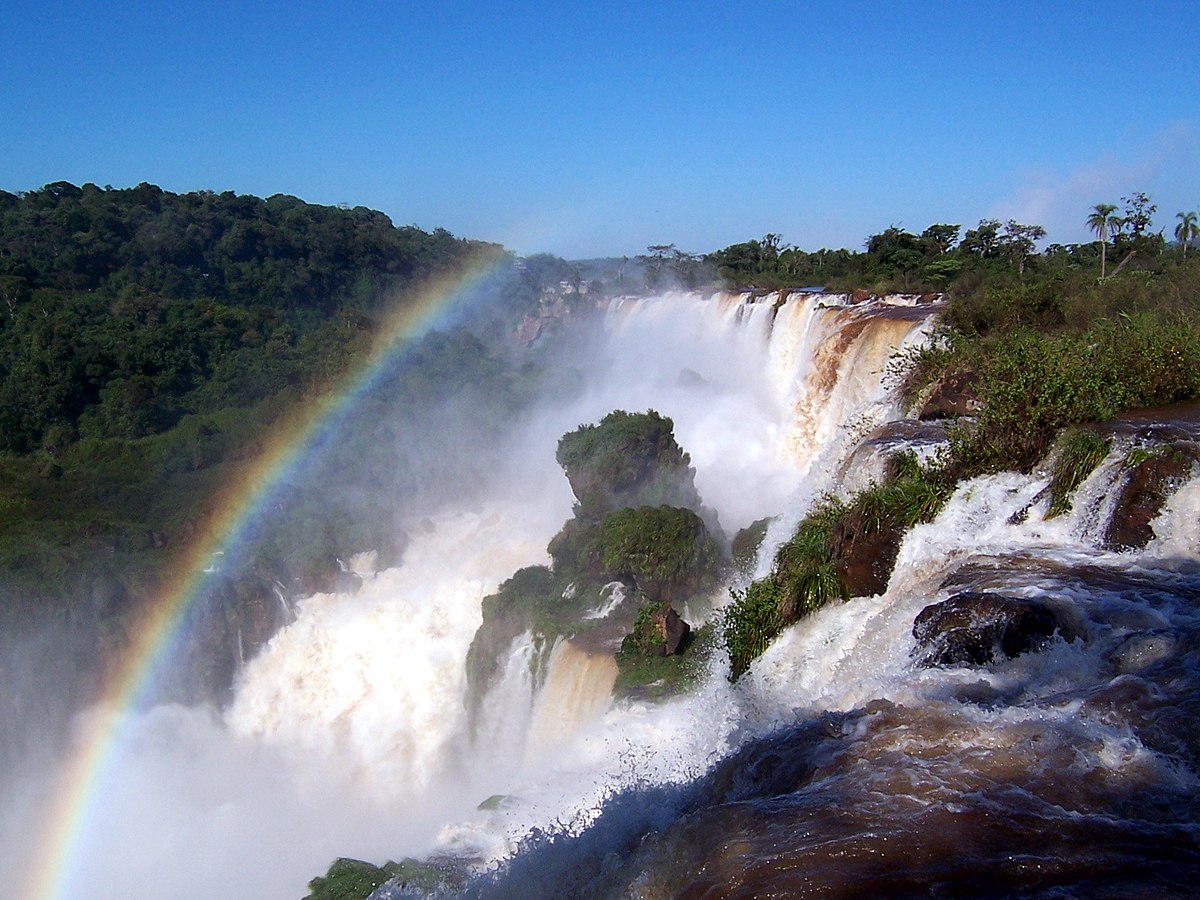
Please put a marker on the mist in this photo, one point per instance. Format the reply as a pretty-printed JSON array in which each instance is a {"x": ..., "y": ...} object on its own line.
[{"x": 345, "y": 735}]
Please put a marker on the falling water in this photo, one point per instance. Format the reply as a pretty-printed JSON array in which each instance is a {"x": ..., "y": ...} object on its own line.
[{"x": 836, "y": 765}]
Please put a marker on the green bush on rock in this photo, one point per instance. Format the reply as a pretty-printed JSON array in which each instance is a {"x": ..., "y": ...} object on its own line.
[
  {"x": 840, "y": 549},
  {"x": 628, "y": 459},
  {"x": 354, "y": 879},
  {"x": 666, "y": 551},
  {"x": 1079, "y": 451}
]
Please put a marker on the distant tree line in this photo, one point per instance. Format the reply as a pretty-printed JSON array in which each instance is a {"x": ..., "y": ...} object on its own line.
[
  {"x": 944, "y": 254},
  {"x": 122, "y": 310}
]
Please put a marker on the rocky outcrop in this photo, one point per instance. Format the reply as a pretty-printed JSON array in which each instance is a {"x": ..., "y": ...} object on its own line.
[
  {"x": 1143, "y": 494},
  {"x": 954, "y": 395},
  {"x": 627, "y": 459},
  {"x": 974, "y": 627},
  {"x": 866, "y": 553},
  {"x": 661, "y": 632}
]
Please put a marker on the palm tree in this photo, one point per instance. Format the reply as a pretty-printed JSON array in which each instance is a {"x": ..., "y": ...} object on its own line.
[
  {"x": 1188, "y": 229},
  {"x": 1102, "y": 221}
]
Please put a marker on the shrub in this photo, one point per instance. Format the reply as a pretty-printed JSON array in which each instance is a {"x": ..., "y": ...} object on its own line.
[
  {"x": 667, "y": 551},
  {"x": 751, "y": 622}
]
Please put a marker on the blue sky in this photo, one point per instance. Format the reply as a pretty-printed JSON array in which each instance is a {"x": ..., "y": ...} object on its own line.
[{"x": 588, "y": 129}]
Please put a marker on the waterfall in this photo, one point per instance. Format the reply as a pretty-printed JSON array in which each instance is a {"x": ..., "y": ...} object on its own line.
[
  {"x": 356, "y": 707},
  {"x": 577, "y": 691}
]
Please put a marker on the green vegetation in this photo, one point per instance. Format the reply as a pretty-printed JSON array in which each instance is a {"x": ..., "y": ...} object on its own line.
[
  {"x": 124, "y": 310},
  {"x": 354, "y": 879},
  {"x": 1080, "y": 450},
  {"x": 153, "y": 346},
  {"x": 840, "y": 549},
  {"x": 1032, "y": 383},
  {"x": 646, "y": 675},
  {"x": 1045, "y": 342},
  {"x": 627, "y": 459},
  {"x": 624, "y": 472},
  {"x": 666, "y": 551}
]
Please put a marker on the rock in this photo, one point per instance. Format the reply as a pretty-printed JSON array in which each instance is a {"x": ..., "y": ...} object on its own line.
[
  {"x": 1141, "y": 498},
  {"x": 662, "y": 632},
  {"x": 627, "y": 459},
  {"x": 671, "y": 629},
  {"x": 1140, "y": 651},
  {"x": 866, "y": 554},
  {"x": 954, "y": 395},
  {"x": 969, "y": 629}
]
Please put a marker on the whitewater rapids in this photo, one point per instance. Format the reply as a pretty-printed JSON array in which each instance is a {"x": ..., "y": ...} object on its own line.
[{"x": 835, "y": 766}]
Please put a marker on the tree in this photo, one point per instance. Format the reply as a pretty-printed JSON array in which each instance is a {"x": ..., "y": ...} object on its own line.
[
  {"x": 939, "y": 238},
  {"x": 983, "y": 241},
  {"x": 1019, "y": 241},
  {"x": 1103, "y": 222},
  {"x": 1138, "y": 212},
  {"x": 1187, "y": 230}
]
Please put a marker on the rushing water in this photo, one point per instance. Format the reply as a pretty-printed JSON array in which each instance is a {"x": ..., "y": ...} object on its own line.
[{"x": 836, "y": 766}]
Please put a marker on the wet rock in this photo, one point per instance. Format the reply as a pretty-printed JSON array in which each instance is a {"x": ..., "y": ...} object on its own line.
[
  {"x": 662, "y": 633},
  {"x": 1141, "y": 498},
  {"x": 346, "y": 582},
  {"x": 953, "y": 396},
  {"x": 972, "y": 627},
  {"x": 1140, "y": 651},
  {"x": 866, "y": 553}
]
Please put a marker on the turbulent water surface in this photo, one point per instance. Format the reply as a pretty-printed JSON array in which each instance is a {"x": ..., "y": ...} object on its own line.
[{"x": 836, "y": 766}]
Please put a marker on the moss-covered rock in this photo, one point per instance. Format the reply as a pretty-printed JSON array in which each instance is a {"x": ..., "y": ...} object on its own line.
[
  {"x": 638, "y": 524},
  {"x": 645, "y": 671},
  {"x": 354, "y": 879},
  {"x": 349, "y": 879},
  {"x": 666, "y": 551},
  {"x": 518, "y": 606},
  {"x": 746, "y": 545},
  {"x": 1154, "y": 477},
  {"x": 627, "y": 459}
]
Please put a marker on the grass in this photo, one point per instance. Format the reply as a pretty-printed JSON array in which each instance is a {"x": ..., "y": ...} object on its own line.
[
  {"x": 1079, "y": 451},
  {"x": 809, "y": 569}
]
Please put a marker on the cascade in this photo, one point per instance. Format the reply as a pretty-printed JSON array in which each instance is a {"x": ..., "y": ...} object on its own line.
[
  {"x": 356, "y": 708},
  {"x": 578, "y": 690}
]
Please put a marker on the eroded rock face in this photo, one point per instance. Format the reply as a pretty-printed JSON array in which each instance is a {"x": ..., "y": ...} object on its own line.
[
  {"x": 973, "y": 627},
  {"x": 1142, "y": 496},
  {"x": 664, "y": 632},
  {"x": 867, "y": 555},
  {"x": 627, "y": 459},
  {"x": 955, "y": 395}
]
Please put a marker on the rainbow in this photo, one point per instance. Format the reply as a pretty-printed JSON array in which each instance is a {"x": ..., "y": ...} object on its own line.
[{"x": 240, "y": 508}]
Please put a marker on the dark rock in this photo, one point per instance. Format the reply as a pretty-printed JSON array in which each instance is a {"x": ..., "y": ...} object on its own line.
[
  {"x": 670, "y": 631},
  {"x": 953, "y": 396},
  {"x": 971, "y": 627},
  {"x": 866, "y": 553},
  {"x": 1141, "y": 498}
]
